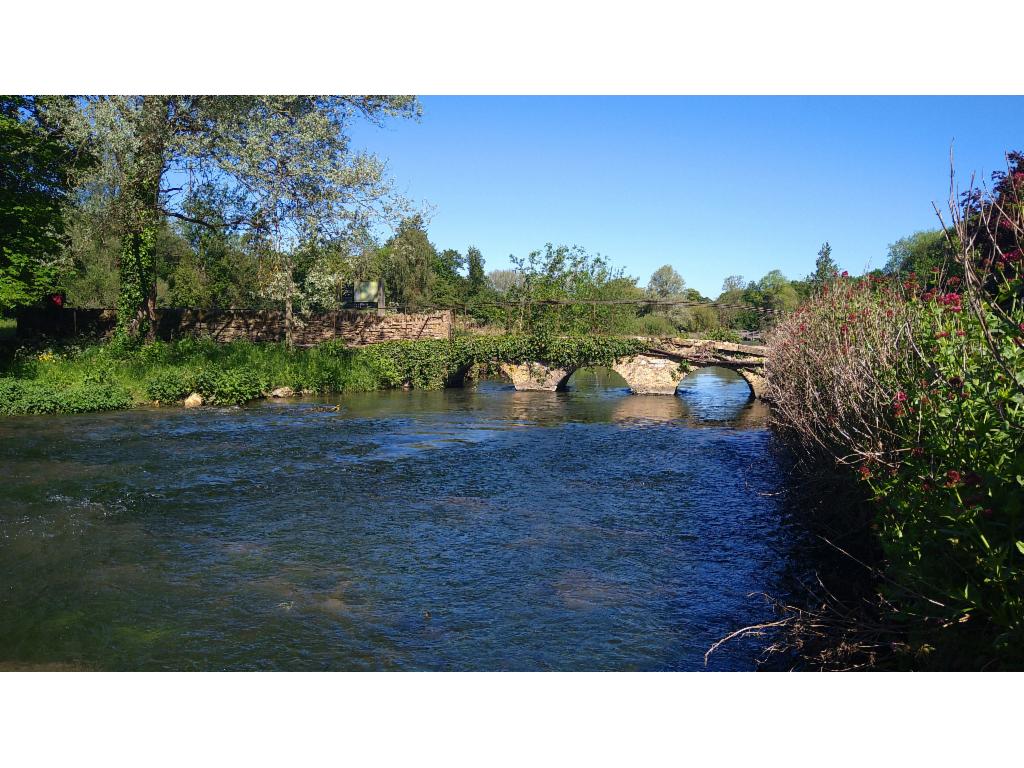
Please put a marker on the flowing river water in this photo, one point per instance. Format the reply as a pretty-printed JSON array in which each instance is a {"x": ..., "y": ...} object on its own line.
[{"x": 476, "y": 529}]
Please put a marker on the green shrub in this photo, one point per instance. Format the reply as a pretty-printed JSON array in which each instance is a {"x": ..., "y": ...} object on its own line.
[
  {"x": 235, "y": 386},
  {"x": 170, "y": 385},
  {"x": 29, "y": 397}
]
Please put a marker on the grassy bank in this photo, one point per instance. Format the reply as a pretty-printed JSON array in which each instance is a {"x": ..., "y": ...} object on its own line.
[{"x": 103, "y": 376}]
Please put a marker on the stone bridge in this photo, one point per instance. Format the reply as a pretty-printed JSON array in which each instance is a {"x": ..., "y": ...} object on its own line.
[{"x": 658, "y": 370}]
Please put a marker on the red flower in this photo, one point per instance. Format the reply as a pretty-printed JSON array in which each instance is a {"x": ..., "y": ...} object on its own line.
[
  {"x": 952, "y": 478},
  {"x": 901, "y": 397},
  {"x": 865, "y": 473}
]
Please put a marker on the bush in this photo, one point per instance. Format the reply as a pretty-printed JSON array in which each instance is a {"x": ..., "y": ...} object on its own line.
[
  {"x": 235, "y": 386},
  {"x": 920, "y": 395},
  {"x": 29, "y": 397},
  {"x": 170, "y": 385}
]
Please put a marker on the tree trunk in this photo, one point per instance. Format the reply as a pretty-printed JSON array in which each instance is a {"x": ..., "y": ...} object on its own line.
[
  {"x": 151, "y": 311},
  {"x": 143, "y": 216},
  {"x": 381, "y": 308},
  {"x": 288, "y": 338}
]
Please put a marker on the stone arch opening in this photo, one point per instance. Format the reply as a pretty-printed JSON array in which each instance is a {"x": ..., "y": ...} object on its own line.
[
  {"x": 491, "y": 373},
  {"x": 596, "y": 378},
  {"x": 717, "y": 389}
]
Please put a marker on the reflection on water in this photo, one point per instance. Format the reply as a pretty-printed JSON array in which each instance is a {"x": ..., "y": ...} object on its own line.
[{"x": 466, "y": 529}]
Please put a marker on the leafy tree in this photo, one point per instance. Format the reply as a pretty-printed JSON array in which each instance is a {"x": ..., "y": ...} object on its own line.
[
  {"x": 476, "y": 278},
  {"x": 665, "y": 283},
  {"x": 35, "y": 163},
  {"x": 773, "y": 294},
  {"x": 502, "y": 280},
  {"x": 283, "y": 162},
  {"x": 920, "y": 253},
  {"x": 406, "y": 264},
  {"x": 556, "y": 285},
  {"x": 448, "y": 288},
  {"x": 825, "y": 268},
  {"x": 214, "y": 270},
  {"x": 733, "y": 283}
]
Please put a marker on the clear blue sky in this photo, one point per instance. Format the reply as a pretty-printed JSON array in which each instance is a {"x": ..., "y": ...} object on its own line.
[{"x": 712, "y": 186}]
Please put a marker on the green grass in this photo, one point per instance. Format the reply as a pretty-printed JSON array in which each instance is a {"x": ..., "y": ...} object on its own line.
[{"x": 71, "y": 379}]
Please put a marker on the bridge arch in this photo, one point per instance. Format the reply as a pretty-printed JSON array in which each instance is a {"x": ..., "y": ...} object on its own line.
[
  {"x": 657, "y": 371},
  {"x": 754, "y": 383}
]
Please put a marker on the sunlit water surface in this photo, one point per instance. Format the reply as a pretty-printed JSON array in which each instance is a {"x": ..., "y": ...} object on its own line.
[{"x": 465, "y": 529}]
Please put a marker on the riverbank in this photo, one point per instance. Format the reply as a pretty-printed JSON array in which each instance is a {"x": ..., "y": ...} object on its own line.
[
  {"x": 910, "y": 396},
  {"x": 98, "y": 376}
]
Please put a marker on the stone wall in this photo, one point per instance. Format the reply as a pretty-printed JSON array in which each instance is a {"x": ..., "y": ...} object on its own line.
[{"x": 357, "y": 328}]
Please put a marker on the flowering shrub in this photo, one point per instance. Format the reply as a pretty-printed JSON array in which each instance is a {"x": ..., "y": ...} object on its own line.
[{"x": 920, "y": 394}]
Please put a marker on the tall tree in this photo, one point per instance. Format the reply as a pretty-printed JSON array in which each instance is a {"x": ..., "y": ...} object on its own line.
[
  {"x": 35, "y": 164},
  {"x": 284, "y": 164},
  {"x": 406, "y": 264},
  {"x": 825, "y": 268},
  {"x": 665, "y": 283},
  {"x": 922, "y": 253},
  {"x": 733, "y": 283},
  {"x": 476, "y": 279}
]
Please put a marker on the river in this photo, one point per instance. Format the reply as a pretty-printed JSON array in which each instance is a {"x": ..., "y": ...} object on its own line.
[{"x": 476, "y": 529}]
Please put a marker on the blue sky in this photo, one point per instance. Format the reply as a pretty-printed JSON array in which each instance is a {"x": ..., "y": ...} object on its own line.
[{"x": 712, "y": 186}]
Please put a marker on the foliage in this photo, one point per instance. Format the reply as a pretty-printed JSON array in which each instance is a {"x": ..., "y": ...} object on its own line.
[
  {"x": 117, "y": 374},
  {"x": 561, "y": 289},
  {"x": 19, "y": 396},
  {"x": 917, "y": 386},
  {"x": 502, "y": 280},
  {"x": 476, "y": 281},
  {"x": 825, "y": 269},
  {"x": 921, "y": 254},
  {"x": 760, "y": 303},
  {"x": 282, "y": 165},
  {"x": 665, "y": 283},
  {"x": 35, "y": 163},
  {"x": 137, "y": 274}
]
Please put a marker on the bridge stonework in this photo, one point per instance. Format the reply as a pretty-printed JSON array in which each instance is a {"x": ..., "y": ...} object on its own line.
[{"x": 657, "y": 371}]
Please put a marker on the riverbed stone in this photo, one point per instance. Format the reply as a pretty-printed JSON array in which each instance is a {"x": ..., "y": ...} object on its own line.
[
  {"x": 194, "y": 400},
  {"x": 282, "y": 392}
]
